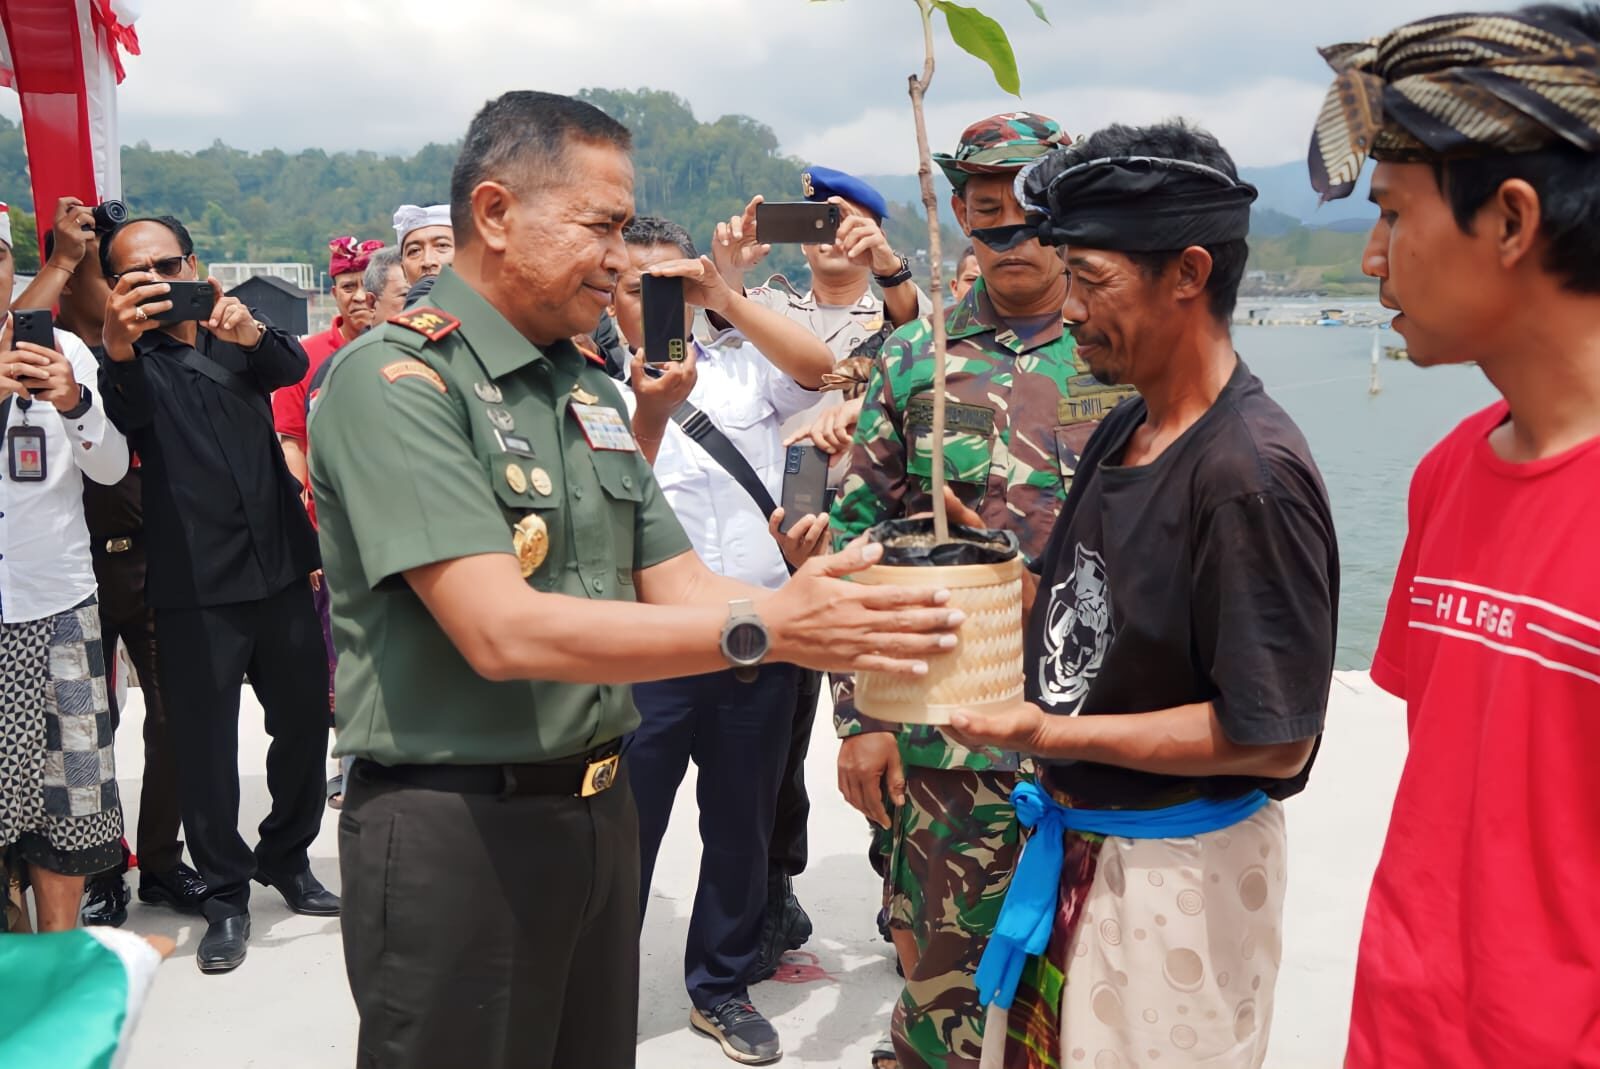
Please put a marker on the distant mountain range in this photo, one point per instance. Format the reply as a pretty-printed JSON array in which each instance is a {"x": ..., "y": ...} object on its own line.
[{"x": 1284, "y": 190}]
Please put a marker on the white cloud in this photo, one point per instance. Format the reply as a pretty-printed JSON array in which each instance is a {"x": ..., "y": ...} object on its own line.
[
  {"x": 829, "y": 78},
  {"x": 1263, "y": 123}
]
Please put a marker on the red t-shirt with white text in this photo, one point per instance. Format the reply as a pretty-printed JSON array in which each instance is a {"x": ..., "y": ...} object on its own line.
[{"x": 1481, "y": 946}]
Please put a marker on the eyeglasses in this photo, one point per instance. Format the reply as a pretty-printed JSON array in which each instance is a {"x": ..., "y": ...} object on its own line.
[{"x": 167, "y": 267}]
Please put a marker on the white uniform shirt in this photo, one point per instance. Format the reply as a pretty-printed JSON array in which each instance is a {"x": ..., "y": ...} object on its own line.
[
  {"x": 747, "y": 399},
  {"x": 45, "y": 567}
]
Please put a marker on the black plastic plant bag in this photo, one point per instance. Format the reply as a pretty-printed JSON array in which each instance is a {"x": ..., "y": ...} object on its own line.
[{"x": 910, "y": 544}]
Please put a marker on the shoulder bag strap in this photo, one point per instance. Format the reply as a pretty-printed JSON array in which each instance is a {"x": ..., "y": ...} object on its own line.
[{"x": 698, "y": 426}]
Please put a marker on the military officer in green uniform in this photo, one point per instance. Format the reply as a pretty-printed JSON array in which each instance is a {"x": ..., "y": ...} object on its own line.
[
  {"x": 502, "y": 563},
  {"x": 1020, "y": 406}
]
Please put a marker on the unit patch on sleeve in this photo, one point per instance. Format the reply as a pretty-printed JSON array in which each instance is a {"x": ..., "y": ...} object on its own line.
[{"x": 415, "y": 369}]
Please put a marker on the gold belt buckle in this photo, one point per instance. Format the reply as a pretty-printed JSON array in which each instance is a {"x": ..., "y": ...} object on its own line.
[
  {"x": 600, "y": 776},
  {"x": 118, "y": 545}
]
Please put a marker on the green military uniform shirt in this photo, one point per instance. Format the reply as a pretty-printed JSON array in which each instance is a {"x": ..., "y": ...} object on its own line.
[
  {"x": 432, "y": 441},
  {"x": 1020, "y": 406}
]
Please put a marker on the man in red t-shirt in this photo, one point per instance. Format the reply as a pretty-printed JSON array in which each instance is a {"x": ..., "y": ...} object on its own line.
[
  {"x": 1481, "y": 948},
  {"x": 347, "y": 261}
]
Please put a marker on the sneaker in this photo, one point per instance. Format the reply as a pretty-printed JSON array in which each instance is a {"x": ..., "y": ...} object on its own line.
[
  {"x": 105, "y": 902},
  {"x": 745, "y": 1035}
]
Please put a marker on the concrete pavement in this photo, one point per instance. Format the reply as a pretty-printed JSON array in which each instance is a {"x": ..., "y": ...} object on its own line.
[{"x": 288, "y": 1005}]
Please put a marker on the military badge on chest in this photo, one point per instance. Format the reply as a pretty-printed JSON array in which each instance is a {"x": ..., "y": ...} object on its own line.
[{"x": 530, "y": 540}]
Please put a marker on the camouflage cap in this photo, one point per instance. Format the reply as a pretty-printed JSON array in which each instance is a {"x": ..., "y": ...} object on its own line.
[{"x": 1001, "y": 144}]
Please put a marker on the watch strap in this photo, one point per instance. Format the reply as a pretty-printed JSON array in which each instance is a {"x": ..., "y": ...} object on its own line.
[
  {"x": 85, "y": 400},
  {"x": 896, "y": 278}
]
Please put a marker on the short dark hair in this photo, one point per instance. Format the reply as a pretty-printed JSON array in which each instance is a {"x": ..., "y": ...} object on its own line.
[
  {"x": 529, "y": 132},
  {"x": 648, "y": 230},
  {"x": 1177, "y": 140},
  {"x": 1566, "y": 178},
  {"x": 968, "y": 253},
  {"x": 179, "y": 231}
]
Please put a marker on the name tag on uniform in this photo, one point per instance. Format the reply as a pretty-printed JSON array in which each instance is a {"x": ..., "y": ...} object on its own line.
[
  {"x": 25, "y": 454},
  {"x": 605, "y": 428},
  {"x": 958, "y": 418}
]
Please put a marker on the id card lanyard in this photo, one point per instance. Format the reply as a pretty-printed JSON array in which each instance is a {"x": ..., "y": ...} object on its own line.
[{"x": 25, "y": 453}]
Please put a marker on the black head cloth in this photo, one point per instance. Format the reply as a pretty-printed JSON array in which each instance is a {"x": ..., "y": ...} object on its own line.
[{"x": 1132, "y": 203}]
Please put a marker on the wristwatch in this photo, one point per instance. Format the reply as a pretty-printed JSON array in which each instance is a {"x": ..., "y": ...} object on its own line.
[
  {"x": 745, "y": 642},
  {"x": 898, "y": 278}
]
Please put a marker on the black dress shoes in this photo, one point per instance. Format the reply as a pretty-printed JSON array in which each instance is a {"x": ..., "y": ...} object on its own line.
[
  {"x": 223, "y": 946},
  {"x": 180, "y": 887},
  {"x": 106, "y": 901},
  {"x": 303, "y": 892}
]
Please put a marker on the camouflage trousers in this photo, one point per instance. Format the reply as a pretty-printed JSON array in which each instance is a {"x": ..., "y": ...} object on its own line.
[{"x": 955, "y": 843}]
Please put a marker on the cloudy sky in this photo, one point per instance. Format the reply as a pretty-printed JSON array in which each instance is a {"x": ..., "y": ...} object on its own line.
[{"x": 829, "y": 78}]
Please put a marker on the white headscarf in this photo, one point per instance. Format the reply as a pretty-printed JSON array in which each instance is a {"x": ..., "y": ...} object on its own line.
[
  {"x": 5, "y": 224},
  {"x": 409, "y": 217}
]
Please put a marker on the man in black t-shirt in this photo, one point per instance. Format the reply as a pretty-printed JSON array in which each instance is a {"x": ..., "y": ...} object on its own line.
[{"x": 1180, "y": 646}]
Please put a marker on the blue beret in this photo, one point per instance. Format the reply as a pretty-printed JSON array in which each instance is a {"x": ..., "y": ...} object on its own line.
[{"x": 820, "y": 183}]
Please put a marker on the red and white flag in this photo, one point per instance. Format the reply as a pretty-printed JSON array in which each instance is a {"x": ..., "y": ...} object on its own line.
[{"x": 64, "y": 59}]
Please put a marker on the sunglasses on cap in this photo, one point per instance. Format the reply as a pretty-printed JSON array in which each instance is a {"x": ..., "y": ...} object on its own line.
[{"x": 166, "y": 267}]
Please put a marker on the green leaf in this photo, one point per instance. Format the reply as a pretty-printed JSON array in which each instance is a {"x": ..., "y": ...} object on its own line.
[
  {"x": 979, "y": 35},
  {"x": 1038, "y": 9}
]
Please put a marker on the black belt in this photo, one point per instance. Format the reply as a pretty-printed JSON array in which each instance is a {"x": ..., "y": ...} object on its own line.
[{"x": 583, "y": 776}]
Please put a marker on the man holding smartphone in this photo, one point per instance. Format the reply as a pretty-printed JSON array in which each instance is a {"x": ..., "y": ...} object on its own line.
[
  {"x": 722, "y": 488},
  {"x": 230, "y": 555},
  {"x": 115, "y": 516},
  {"x": 842, "y": 308},
  {"x": 59, "y": 805}
]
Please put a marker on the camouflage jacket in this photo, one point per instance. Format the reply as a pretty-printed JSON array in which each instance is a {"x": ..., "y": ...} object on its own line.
[{"x": 1019, "y": 410}]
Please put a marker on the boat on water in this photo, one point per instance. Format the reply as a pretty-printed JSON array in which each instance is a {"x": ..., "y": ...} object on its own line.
[{"x": 1332, "y": 317}]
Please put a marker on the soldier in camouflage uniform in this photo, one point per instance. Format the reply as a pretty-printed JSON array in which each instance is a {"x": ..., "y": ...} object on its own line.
[{"x": 1020, "y": 407}]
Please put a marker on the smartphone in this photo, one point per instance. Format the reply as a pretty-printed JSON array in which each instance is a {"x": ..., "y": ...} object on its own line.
[
  {"x": 190, "y": 301},
  {"x": 805, "y": 484},
  {"x": 801, "y": 222},
  {"x": 33, "y": 325},
  {"x": 664, "y": 326}
]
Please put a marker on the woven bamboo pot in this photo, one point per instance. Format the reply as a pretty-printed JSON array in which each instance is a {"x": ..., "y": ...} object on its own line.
[{"x": 984, "y": 670}]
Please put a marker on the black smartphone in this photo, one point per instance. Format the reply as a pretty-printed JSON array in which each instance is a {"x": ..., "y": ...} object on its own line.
[
  {"x": 805, "y": 484},
  {"x": 801, "y": 222},
  {"x": 664, "y": 327},
  {"x": 191, "y": 301},
  {"x": 33, "y": 325}
]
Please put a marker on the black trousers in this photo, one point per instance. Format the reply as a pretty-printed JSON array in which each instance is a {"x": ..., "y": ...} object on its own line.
[
  {"x": 203, "y": 654},
  {"x": 786, "y": 856},
  {"x": 124, "y": 615},
  {"x": 738, "y": 737},
  {"x": 496, "y": 933}
]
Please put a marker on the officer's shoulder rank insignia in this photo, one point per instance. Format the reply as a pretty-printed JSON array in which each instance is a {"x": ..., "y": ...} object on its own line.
[
  {"x": 415, "y": 369},
  {"x": 429, "y": 322}
]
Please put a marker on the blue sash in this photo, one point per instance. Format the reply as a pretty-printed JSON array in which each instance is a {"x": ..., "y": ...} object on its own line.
[{"x": 1028, "y": 913}]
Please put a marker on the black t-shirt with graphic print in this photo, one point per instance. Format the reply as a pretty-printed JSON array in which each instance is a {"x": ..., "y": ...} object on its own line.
[{"x": 1211, "y": 574}]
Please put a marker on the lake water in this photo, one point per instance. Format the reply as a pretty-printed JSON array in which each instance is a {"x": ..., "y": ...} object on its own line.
[{"x": 1366, "y": 446}]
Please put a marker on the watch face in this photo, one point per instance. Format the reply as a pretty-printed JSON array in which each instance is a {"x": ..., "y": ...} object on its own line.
[{"x": 746, "y": 642}]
